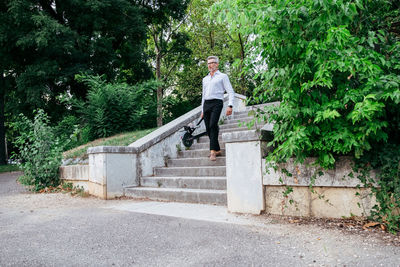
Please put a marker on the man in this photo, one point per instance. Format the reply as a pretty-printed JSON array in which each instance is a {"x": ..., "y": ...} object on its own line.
[{"x": 214, "y": 86}]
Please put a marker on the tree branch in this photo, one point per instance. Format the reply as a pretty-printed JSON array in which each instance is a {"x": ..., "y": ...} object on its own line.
[
  {"x": 170, "y": 70},
  {"x": 47, "y": 7}
]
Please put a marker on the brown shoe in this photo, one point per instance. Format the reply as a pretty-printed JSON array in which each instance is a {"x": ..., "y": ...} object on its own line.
[
  {"x": 217, "y": 153},
  {"x": 213, "y": 156}
]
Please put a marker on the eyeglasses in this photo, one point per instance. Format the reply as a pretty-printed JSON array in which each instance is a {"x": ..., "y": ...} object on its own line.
[{"x": 209, "y": 63}]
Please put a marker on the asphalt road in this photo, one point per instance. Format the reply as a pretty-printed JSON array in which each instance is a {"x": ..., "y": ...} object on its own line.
[{"x": 60, "y": 230}]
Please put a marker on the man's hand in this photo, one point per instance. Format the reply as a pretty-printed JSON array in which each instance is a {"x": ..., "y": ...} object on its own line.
[
  {"x": 201, "y": 116},
  {"x": 228, "y": 111}
]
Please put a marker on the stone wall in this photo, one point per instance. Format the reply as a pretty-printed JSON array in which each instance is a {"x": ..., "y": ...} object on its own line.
[
  {"x": 258, "y": 189},
  {"x": 78, "y": 175}
]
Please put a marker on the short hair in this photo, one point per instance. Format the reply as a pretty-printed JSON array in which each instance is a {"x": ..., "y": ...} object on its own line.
[{"x": 213, "y": 57}]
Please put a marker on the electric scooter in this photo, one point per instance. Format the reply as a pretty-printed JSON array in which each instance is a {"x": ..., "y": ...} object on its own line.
[{"x": 188, "y": 137}]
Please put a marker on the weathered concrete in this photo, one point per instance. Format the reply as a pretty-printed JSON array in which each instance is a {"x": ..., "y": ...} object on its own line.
[
  {"x": 328, "y": 202},
  {"x": 78, "y": 175},
  {"x": 75, "y": 172},
  {"x": 112, "y": 168},
  {"x": 215, "y": 182},
  {"x": 302, "y": 173},
  {"x": 243, "y": 172},
  {"x": 153, "y": 153},
  {"x": 192, "y": 162},
  {"x": 191, "y": 171},
  {"x": 334, "y": 192},
  {"x": 205, "y": 145},
  {"x": 179, "y": 194},
  {"x": 197, "y": 153}
]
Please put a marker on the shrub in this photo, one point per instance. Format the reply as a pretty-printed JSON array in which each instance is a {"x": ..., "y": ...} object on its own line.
[
  {"x": 335, "y": 67},
  {"x": 175, "y": 106},
  {"x": 69, "y": 132},
  {"x": 385, "y": 160},
  {"x": 40, "y": 152},
  {"x": 113, "y": 108}
]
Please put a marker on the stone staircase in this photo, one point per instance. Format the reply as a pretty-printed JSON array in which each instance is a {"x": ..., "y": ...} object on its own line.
[{"x": 192, "y": 177}]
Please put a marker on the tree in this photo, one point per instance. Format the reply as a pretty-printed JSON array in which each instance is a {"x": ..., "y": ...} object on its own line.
[
  {"x": 45, "y": 43},
  {"x": 6, "y": 45},
  {"x": 210, "y": 36},
  {"x": 335, "y": 66},
  {"x": 167, "y": 44}
]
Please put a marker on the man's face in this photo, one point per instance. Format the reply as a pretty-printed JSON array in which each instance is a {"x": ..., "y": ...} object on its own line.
[{"x": 212, "y": 65}]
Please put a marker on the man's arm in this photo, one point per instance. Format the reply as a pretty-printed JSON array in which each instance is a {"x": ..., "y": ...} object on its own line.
[
  {"x": 231, "y": 93},
  {"x": 202, "y": 99}
]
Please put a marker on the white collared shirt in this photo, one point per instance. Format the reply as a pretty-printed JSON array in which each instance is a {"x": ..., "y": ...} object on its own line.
[{"x": 215, "y": 87}]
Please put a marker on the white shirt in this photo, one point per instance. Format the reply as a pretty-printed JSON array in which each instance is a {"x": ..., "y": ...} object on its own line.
[{"x": 214, "y": 88}]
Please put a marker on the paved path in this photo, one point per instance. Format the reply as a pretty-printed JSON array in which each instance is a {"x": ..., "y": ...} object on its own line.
[{"x": 60, "y": 230}]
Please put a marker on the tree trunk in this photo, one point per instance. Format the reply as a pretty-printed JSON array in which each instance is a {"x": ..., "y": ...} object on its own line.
[
  {"x": 159, "y": 90},
  {"x": 242, "y": 78},
  {"x": 3, "y": 159}
]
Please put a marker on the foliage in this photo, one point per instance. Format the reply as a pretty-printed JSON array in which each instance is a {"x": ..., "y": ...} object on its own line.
[
  {"x": 43, "y": 44},
  {"x": 66, "y": 188},
  {"x": 208, "y": 36},
  {"x": 335, "y": 67},
  {"x": 8, "y": 168},
  {"x": 205, "y": 36},
  {"x": 167, "y": 46},
  {"x": 52, "y": 41},
  {"x": 175, "y": 106},
  {"x": 117, "y": 107},
  {"x": 71, "y": 133},
  {"x": 336, "y": 77},
  {"x": 40, "y": 153},
  {"x": 386, "y": 160},
  {"x": 123, "y": 139}
]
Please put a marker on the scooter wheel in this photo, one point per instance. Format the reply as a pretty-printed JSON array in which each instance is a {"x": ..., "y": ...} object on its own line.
[{"x": 187, "y": 140}]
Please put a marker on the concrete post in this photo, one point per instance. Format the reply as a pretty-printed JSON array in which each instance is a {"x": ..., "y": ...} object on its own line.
[
  {"x": 245, "y": 191},
  {"x": 110, "y": 169}
]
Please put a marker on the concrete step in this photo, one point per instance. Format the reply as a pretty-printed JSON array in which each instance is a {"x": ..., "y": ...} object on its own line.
[
  {"x": 232, "y": 126},
  {"x": 245, "y": 128},
  {"x": 216, "y": 183},
  {"x": 194, "y": 162},
  {"x": 204, "y": 196},
  {"x": 241, "y": 115},
  {"x": 205, "y": 139},
  {"x": 197, "y": 153},
  {"x": 233, "y": 121},
  {"x": 245, "y": 119},
  {"x": 191, "y": 171},
  {"x": 205, "y": 145}
]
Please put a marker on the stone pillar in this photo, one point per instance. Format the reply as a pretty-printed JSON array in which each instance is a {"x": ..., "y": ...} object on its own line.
[
  {"x": 245, "y": 191},
  {"x": 110, "y": 169}
]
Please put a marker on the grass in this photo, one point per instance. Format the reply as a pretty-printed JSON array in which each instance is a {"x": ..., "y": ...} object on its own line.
[
  {"x": 123, "y": 139},
  {"x": 8, "y": 168}
]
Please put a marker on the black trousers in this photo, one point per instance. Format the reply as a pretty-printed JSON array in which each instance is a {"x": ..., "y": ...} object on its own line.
[{"x": 211, "y": 112}]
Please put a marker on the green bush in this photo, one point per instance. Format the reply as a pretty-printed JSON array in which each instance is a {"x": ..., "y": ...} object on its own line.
[
  {"x": 68, "y": 130},
  {"x": 175, "y": 106},
  {"x": 385, "y": 160},
  {"x": 335, "y": 67},
  {"x": 118, "y": 107},
  {"x": 40, "y": 152}
]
